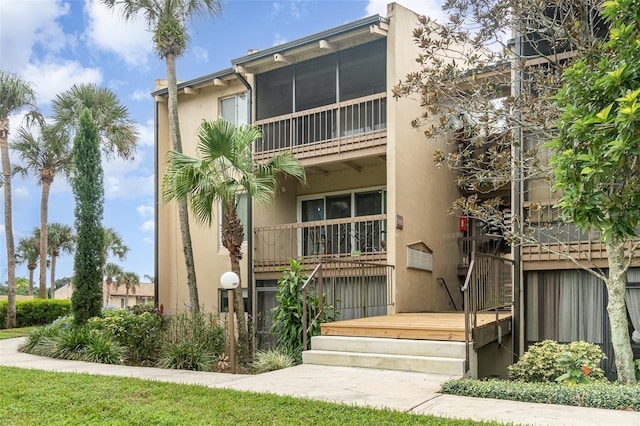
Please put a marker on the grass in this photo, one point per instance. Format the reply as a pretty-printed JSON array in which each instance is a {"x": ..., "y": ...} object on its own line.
[
  {"x": 14, "y": 332},
  {"x": 34, "y": 397}
]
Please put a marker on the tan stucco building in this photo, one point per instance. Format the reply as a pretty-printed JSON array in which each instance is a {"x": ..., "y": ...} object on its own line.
[{"x": 373, "y": 193}]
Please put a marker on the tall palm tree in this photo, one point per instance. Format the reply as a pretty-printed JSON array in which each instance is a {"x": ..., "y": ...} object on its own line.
[
  {"x": 116, "y": 130},
  {"x": 111, "y": 271},
  {"x": 130, "y": 280},
  {"x": 28, "y": 251},
  {"x": 45, "y": 155},
  {"x": 114, "y": 246},
  {"x": 224, "y": 171},
  {"x": 59, "y": 239},
  {"x": 15, "y": 96},
  {"x": 167, "y": 20}
]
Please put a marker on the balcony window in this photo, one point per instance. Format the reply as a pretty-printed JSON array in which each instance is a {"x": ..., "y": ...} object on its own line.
[
  {"x": 274, "y": 93},
  {"x": 363, "y": 70},
  {"x": 344, "y": 238}
]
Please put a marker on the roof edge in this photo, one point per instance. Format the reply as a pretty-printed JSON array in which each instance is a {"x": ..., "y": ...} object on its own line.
[
  {"x": 364, "y": 22},
  {"x": 196, "y": 81}
]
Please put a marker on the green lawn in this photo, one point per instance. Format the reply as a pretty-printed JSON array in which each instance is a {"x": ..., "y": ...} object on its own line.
[
  {"x": 15, "y": 332},
  {"x": 34, "y": 397}
]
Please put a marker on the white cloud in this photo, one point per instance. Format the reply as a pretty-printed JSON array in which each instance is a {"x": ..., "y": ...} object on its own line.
[
  {"x": 148, "y": 240},
  {"x": 20, "y": 193},
  {"x": 51, "y": 78},
  {"x": 431, "y": 8},
  {"x": 107, "y": 30},
  {"x": 145, "y": 211},
  {"x": 145, "y": 133},
  {"x": 26, "y": 24},
  {"x": 140, "y": 95},
  {"x": 200, "y": 54},
  {"x": 126, "y": 179},
  {"x": 148, "y": 226}
]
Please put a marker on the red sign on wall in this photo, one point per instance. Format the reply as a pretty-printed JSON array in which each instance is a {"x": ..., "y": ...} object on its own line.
[{"x": 464, "y": 223}]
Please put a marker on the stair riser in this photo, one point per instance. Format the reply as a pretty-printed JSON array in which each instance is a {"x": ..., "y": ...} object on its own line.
[
  {"x": 425, "y": 348},
  {"x": 453, "y": 367}
]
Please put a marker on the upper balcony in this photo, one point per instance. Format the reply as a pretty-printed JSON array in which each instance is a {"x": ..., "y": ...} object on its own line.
[{"x": 338, "y": 128}]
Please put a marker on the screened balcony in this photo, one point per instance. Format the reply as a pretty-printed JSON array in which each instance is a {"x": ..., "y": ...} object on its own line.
[
  {"x": 345, "y": 126},
  {"x": 325, "y": 105},
  {"x": 361, "y": 238}
]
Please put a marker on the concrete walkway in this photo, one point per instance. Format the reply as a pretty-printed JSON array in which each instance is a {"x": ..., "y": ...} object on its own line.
[{"x": 412, "y": 392}]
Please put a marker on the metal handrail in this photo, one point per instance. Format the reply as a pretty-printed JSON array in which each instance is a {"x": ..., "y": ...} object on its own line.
[{"x": 484, "y": 271}]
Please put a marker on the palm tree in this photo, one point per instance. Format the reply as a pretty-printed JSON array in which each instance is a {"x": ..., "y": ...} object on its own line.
[
  {"x": 167, "y": 20},
  {"x": 116, "y": 130},
  {"x": 59, "y": 239},
  {"x": 111, "y": 271},
  {"x": 15, "y": 95},
  {"x": 44, "y": 155},
  {"x": 28, "y": 251},
  {"x": 130, "y": 280},
  {"x": 223, "y": 172},
  {"x": 113, "y": 245}
]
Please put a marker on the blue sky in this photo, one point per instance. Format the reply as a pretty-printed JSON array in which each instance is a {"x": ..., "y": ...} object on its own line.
[{"x": 56, "y": 43}]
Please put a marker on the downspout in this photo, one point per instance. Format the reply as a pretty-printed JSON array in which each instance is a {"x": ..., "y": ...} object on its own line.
[
  {"x": 250, "y": 285},
  {"x": 156, "y": 284},
  {"x": 517, "y": 201}
]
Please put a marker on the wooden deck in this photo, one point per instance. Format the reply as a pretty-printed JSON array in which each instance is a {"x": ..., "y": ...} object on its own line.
[{"x": 419, "y": 326}]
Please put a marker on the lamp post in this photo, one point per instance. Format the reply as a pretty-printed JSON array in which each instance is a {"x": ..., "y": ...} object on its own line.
[{"x": 229, "y": 281}]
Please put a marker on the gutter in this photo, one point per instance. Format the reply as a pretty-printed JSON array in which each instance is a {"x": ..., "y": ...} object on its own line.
[
  {"x": 250, "y": 286},
  {"x": 156, "y": 284}
]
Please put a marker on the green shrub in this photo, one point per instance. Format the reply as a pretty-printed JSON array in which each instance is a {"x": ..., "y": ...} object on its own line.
[
  {"x": 69, "y": 343},
  {"x": 196, "y": 327},
  {"x": 542, "y": 361},
  {"x": 139, "y": 335},
  {"x": 287, "y": 319},
  {"x": 37, "y": 343},
  {"x": 596, "y": 395},
  {"x": 103, "y": 349},
  {"x": 187, "y": 356},
  {"x": 36, "y": 312},
  {"x": 271, "y": 360}
]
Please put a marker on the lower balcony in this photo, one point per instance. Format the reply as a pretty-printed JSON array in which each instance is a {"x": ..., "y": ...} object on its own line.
[{"x": 362, "y": 238}]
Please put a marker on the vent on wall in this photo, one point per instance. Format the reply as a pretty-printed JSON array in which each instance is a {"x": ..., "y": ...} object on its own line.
[{"x": 419, "y": 256}]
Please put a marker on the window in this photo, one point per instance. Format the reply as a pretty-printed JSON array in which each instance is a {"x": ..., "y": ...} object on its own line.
[
  {"x": 224, "y": 300},
  {"x": 234, "y": 109},
  {"x": 241, "y": 208},
  {"x": 123, "y": 303},
  {"x": 343, "y": 238}
]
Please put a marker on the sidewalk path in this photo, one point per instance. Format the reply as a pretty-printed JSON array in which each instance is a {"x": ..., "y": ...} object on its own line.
[{"x": 403, "y": 391}]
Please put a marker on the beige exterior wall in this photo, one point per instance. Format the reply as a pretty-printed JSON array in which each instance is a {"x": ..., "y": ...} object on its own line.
[
  {"x": 417, "y": 190},
  {"x": 211, "y": 259}
]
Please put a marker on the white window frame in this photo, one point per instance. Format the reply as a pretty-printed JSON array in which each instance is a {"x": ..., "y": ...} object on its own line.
[{"x": 239, "y": 119}]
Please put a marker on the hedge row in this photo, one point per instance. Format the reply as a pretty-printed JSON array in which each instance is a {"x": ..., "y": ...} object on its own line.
[
  {"x": 596, "y": 395},
  {"x": 36, "y": 311}
]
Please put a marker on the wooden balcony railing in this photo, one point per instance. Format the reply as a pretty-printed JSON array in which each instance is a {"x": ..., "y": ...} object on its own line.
[
  {"x": 557, "y": 237},
  {"x": 345, "y": 126},
  {"x": 362, "y": 237}
]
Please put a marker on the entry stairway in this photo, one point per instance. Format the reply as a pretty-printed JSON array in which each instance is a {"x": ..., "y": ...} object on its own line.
[{"x": 423, "y": 356}]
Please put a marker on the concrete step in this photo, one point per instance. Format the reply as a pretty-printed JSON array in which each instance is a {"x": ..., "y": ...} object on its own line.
[
  {"x": 420, "y": 364},
  {"x": 376, "y": 345}
]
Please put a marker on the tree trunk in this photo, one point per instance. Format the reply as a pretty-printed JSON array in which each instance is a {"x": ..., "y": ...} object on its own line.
[
  {"x": 8, "y": 225},
  {"x": 53, "y": 276},
  {"x": 126, "y": 296},
  {"x": 44, "y": 203},
  {"x": 617, "y": 310},
  {"x": 31, "y": 269},
  {"x": 183, "y": 210},
  {"x": 232, "y": 237}
]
